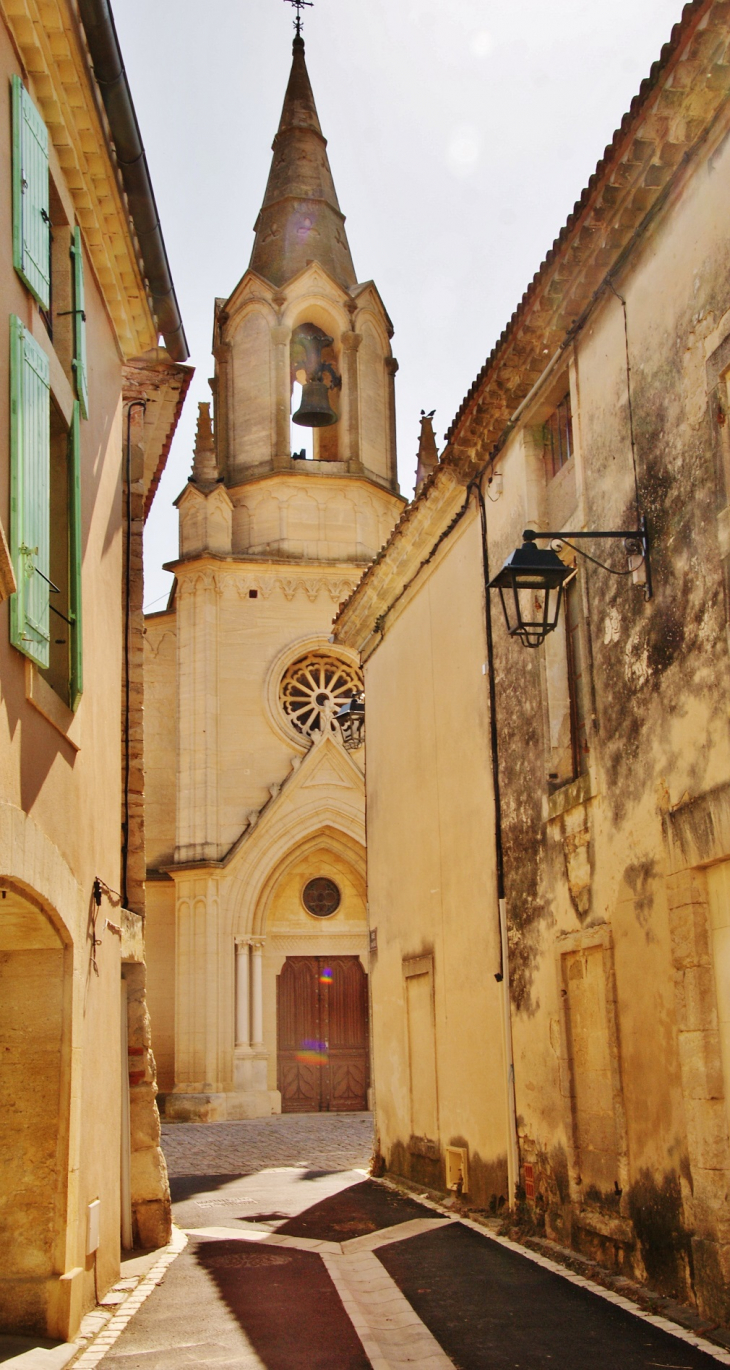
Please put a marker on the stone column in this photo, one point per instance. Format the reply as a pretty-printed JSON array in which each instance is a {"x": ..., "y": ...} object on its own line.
[
  {"x": 197, "y": 760},
  {"x": 243, "y": 1032},
  {"x": 257, "y": 994},
  {"x": 350, "y": 436},
  {"x": 280, "y": 340}
]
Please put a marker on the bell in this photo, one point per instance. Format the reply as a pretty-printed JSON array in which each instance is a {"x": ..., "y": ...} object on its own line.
[{"x": 315, "y": 410}]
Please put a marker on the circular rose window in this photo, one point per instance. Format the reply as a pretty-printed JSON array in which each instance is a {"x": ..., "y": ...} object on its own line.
[
  {"x": 321, "y": 897},
  {"x": 315, "y": 687}
]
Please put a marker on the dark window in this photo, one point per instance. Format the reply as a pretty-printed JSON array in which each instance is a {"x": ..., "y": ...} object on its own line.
[
  {"x": 577, "y": 682},
  {"x": 321, "y": 897},
  {"x": 558, "y": 438}
]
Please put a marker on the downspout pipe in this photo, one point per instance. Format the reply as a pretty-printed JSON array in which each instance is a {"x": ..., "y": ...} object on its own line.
[{"x": 101, "y": 36}]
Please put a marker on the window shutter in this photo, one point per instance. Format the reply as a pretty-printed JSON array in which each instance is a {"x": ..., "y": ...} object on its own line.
[
  {"x": 30, "y": 462},
  {"x": 31, "y": 222},
  {"x": 74, "y": 523},
  {"x": 82, "y": 383}
]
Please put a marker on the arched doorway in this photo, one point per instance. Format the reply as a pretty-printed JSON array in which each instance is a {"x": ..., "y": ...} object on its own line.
[
  {"x": 33, "y": 1117},
  {"x": 322, "y": 1031}
]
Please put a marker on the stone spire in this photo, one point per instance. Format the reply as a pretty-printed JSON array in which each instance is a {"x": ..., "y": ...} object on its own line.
[
  {"x": 428, "y": 457},
  {"x": 205, "y": 466},
  {"x": 300, "y": 219}
]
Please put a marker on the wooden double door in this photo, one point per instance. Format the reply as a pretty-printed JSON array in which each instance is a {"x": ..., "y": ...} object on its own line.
[{"x": 322, "y": 1018}]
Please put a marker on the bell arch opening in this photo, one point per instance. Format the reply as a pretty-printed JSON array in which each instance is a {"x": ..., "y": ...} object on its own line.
[{"x": 315, "y": 388}]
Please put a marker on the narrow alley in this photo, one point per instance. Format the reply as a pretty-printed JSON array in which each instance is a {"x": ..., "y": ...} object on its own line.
[{"x": 295, "y": 1258}]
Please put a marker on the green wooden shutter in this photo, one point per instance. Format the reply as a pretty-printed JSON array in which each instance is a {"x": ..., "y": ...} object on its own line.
[
  {"x": 30, "y": 471},
  {"x": 82, "y": 383},
  {"x": 76, "y": 683},
  {"x": 31, "y": 221}
]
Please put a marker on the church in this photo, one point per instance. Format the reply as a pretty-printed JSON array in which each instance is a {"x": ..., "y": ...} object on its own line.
[{"x": 257, "y": 934}]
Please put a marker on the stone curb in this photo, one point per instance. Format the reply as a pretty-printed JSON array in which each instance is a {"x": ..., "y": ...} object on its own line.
[{"x": 91, "y": 1352}]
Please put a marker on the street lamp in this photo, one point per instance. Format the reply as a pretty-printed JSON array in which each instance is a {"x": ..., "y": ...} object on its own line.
[
  {"x": 530, "y": 587},
  {"x": 351, "y": 718},
  {"x": 532, "y": 580}
]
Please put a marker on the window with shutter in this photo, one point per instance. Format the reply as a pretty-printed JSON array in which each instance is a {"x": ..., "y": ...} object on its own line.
[
  {"x": 31, "y": 221},
  {"x": 29, "y": 494},
  {"x": 76, "y": 684},
  {"x": 79, "y": 307}
]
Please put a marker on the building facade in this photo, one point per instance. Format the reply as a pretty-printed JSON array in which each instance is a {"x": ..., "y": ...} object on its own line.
[
  {"x": 82, "y": 1171},
  {"x": 569, "y": 1050},
  {"x": 255, "y": 811}
]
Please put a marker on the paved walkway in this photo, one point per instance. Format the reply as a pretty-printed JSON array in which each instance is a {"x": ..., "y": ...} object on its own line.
[{"x": 295, "y": 1260}]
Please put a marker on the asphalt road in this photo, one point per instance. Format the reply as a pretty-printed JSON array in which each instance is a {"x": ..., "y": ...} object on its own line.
[{"x": 298, "y": 1266}]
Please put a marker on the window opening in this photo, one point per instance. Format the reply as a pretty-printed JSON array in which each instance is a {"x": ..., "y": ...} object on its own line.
[
  {"x": 557, "y": 438},
  {"x": 321, "y": 897},
  {"x": 302, "y": 439},
  {"x": 58, "y": 671}
]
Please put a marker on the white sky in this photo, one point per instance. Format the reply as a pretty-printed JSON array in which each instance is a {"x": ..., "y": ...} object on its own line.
[{"x": 461, "y": 132}]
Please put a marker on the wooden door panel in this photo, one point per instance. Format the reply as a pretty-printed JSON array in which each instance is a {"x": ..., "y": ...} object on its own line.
[
  {"x": 299, "y": 1085},
  {"x": 322, "y": 1015},
  {"x": 348, "y": 1083}
]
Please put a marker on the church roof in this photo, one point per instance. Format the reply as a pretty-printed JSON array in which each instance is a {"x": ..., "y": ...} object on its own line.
[{"x": 300, "y": 219}]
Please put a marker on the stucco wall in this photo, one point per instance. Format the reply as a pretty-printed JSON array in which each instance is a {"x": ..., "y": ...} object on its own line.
[{"x": 431, "y": 884}]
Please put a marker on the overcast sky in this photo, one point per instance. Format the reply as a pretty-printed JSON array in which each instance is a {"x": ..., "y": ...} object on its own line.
[{"x": 461, "y": 132}]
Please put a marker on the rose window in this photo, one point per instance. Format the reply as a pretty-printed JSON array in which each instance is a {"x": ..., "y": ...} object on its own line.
[{"x": 314, "y": 688}]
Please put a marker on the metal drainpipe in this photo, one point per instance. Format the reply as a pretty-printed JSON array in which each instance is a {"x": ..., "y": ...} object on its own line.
[
  {"x": 134, "y": 404},
  {"x": 101, "y": 35},
  {"x": 502, "y": 975}
]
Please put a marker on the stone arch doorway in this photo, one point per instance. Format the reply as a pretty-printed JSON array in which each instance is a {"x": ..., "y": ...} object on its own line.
[
  {"x": 322, "y": 1034},
  {"x": 34, "y": 1116}
]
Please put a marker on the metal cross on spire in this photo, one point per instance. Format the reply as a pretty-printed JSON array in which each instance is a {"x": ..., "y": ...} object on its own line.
[{"x": 299, "y": 5}]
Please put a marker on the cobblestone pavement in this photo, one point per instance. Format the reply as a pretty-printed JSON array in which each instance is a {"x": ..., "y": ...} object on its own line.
[{"x": 329, "y": 1141}]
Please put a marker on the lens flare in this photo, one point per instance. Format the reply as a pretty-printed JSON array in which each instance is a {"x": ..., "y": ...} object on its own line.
[
  {"x": 325, "y": 977},
  {"x": 312, "y": 1053}
]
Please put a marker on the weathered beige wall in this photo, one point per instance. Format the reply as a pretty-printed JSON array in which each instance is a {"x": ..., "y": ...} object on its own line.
[
  {"x": 431, "y": 884},
  {"x": 60, "y": 788},
  {"x": 615, "y": 882}
]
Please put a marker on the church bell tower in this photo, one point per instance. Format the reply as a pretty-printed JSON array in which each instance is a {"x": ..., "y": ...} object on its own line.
[{"x": 256, "y": 849}]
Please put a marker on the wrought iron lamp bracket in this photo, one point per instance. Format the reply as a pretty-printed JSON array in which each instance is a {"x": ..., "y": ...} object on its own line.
[{"x": 635, "y": 540}]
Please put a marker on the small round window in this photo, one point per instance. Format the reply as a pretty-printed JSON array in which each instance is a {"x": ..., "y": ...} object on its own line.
[{"x": 321, "y": 897}]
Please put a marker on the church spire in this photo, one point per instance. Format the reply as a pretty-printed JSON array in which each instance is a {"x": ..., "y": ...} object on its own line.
[
  {"x": 300, "y": 219},
  {"x": 205, "y": 466}
]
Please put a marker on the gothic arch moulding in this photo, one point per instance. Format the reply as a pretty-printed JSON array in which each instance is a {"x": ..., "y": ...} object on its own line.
[
  {"x": 327, "y": 841},
  {"x": 270, "y": 851}
]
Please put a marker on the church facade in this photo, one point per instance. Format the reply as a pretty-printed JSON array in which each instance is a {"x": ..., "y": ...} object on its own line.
[{"x": 255, "y": 820}]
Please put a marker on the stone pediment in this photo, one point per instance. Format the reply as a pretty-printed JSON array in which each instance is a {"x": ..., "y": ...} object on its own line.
[{"x": 303, "y": 797}]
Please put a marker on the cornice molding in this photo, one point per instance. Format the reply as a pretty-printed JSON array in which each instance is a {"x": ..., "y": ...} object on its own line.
[
  {"x": 49, "y": 39},
  {"x": 193, "y": 578}
]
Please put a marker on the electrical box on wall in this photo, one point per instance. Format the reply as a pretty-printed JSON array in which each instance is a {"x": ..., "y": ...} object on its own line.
[
  {"x": 457, "y": 1169},
  {"x": 92, "y": 1227}
]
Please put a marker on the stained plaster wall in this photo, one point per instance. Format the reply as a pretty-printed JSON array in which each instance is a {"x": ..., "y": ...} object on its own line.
[
  {"x": 431, "y": 881},
  {"x": 587, "y": 865}
]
